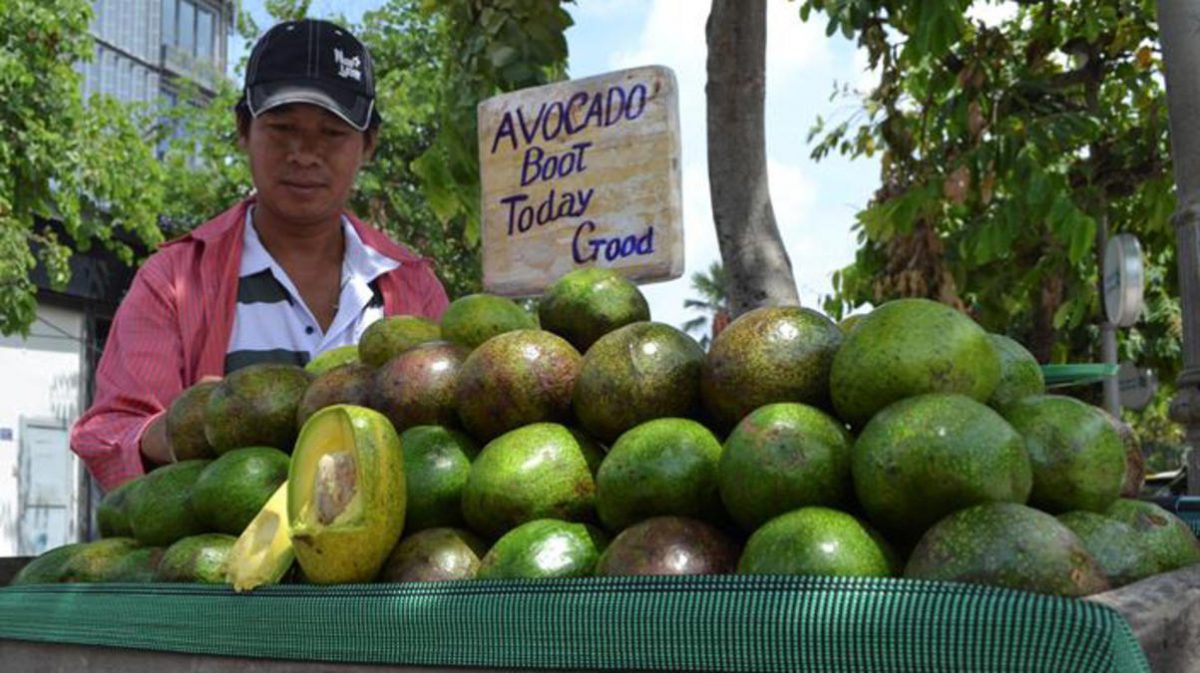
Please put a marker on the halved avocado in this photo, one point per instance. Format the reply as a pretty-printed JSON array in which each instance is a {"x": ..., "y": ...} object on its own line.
[
  {"x": 263, "y": 553},
  {"x": 346, "y": 494}
]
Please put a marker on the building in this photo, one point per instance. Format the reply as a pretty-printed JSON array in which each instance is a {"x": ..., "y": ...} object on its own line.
[{"x": 144, "y": 48}]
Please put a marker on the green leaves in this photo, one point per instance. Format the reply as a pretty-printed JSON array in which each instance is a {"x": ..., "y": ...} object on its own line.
[{"x": 1008, "y": 143}]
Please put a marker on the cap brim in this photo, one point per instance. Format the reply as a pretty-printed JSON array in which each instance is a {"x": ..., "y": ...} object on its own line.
[{"x": 355, "y": 110}]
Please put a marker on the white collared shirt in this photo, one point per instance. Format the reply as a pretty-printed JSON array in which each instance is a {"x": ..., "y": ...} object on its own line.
[{"x": 272, "y": 322}]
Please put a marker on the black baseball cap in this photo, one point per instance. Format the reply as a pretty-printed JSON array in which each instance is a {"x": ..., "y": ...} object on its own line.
[{"x": 316, "y": 62}]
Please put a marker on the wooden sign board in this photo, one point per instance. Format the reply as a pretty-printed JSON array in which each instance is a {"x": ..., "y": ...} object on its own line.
[{"x": 579, "y": 174}]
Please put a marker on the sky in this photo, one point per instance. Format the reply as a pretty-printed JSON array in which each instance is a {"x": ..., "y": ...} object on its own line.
[{"x": 814, "y": 203}]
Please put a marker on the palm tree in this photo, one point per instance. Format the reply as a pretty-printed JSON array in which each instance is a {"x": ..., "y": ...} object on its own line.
[{"x": 714, "y": 302}]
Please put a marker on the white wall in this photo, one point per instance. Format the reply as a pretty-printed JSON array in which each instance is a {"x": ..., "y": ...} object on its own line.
[{"x": 42, "y": 376}]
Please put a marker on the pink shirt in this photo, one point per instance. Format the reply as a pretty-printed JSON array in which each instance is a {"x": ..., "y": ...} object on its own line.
[{"x": 173, "y": 328}]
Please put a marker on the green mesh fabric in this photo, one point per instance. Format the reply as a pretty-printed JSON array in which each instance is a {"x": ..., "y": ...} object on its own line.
[{"x": 726, "y": 623}]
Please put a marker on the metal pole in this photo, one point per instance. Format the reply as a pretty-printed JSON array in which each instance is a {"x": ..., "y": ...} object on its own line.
[
  {"x": 1179, "y": 30},
  {"x": 1108, "y": 331}
]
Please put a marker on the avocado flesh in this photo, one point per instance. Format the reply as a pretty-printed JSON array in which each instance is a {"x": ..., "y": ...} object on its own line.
[
  {"x": 332, "y": 479},
  {"x": 263, "y": 553}
]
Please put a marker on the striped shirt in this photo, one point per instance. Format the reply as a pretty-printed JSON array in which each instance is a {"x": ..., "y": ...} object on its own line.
[
  {"x": 272, "y": 322},
  {"x": 174, "y": 326}
]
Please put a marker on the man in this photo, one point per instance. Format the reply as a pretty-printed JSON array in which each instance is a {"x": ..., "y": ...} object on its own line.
[{"x": 281, "y": 276}]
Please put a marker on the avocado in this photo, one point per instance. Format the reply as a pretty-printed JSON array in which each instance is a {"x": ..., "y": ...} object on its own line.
[
  {"x": 95, "y": 561},
  {"x": 926, "y": 457},
  {"x": 770, "y": 354},
  {"x": 516, "y": 379},
  {"x": 817, "y": 541},
  {"x": 1165, "y": 535},
  {"x": 1007, "y": 545},
  {"x": 437, "y": 463},
  {"x": 388, "y": 337},
  {"x": 334, "y": 357},
  {"x": 1114, "y": 545},
  {"x": 539, "y": 471},
  {"x": 229, "y": 493},
  {"x": 255, "y": 406},
  {"x": 263, "y": 553},
  {"x": 112, "y": 514},
  {"x": 544, "y": 548},
  {"x": 417, "y": 386},
  {"x": 909, "y": 347},
  {"x": 347, "y": 384},
  {"x": 669, "y": 545},
  {"x": 48, "y": 567},
  {"x": 160, "y": 509},
  {"x": 667, "y": 466},
  {"x": 136, "y": 566},
  {"x": 585, "y": 304},
  {"x": 471, "y": 320},
  {"x": 781, "y": 457},
  {"x": 434, "y": 555},
  {"x": 1077, "y": 457},
  {"x": 346, "y": 494},
  {"x": 634, "y": 374},
  {"x": 198, "y": 558},
  {"x": 185, "y": 423},
  {"x": 1135, "y": 461},
  {"x": 1020, "y": 373}
]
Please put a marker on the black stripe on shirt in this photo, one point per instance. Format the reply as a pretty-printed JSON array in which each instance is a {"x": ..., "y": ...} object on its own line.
[
  {"x": 238, "y": 359},
  {"x": 262, "y": 288}
]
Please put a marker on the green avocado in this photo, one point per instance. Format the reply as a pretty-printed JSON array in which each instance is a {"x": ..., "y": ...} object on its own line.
[
  {"x": 185, "y": 423},
  {"x": 634, "y": 374},
  {"x": 47, "y": 567},
  {"x": 471, "y": 320},
  {"x": 771, "y": 354},
  {"x": 539, "y": 471},
  {"x": 669, "y": 545},
  {"x": 332, "y": 358},
  {"x": 348, "y": 384},
  {"x": 388, "y": 337},
  {"x": 910, "y": 347},
  {"x": 667, "y": 466},
  {"x": 1007, "y": 545},
  {"x": 112, "y": 515},
  {"x": 515, "y": 379},
  {"x": 138, "y": 565},
  {"x": 232, "y": 490},
  {"x": 782, "y": 457},
  {"x": 160, "y": 509},
  {"x": 255, "y": 406},
  {"x": 1020, "y": 373},
  {"x": 434, "y": 555},
  {"x": 1115, "y": 545},
  {"x": 544, "y": 548},
  {"x": 926, "y": 457},
  {"x": 198, "y": 558},
  {"x": 437, "y": 464},
  {"x": 1166, "y": 536},
  {"x": 1078, "y": 458},
  {"x": 585, "y": 304},
  {"x": 817, "y": 541}
]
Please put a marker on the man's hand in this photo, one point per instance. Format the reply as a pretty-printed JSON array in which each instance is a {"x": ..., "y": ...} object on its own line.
[{"x": 155, "y": 445}]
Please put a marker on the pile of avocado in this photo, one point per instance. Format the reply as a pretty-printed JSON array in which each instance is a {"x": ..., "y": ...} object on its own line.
[{"x": 584, "y": 439}]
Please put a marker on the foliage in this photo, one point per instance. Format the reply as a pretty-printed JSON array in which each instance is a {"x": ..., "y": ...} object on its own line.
[
  {"x": 82, "y": 164},
  {"x": 1003, "y": 148},
  {"x": 712, "y": 287},
  {"x": 496, "y": 46}
]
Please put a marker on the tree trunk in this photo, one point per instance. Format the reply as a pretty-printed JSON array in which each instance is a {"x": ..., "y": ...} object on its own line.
[
  {"x": 758, "y": 270},
  {"x": 1177, "y": 22}
]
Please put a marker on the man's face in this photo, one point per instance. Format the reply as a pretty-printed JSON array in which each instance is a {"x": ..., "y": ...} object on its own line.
[{"x": 304, "y": 159}]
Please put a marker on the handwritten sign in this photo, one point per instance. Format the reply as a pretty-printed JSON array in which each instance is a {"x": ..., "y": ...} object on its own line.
[{"x": 578, "y": 174}]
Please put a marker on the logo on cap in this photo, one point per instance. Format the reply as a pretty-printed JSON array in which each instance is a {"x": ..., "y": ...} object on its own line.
[{"x": 349, "y": 68}]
